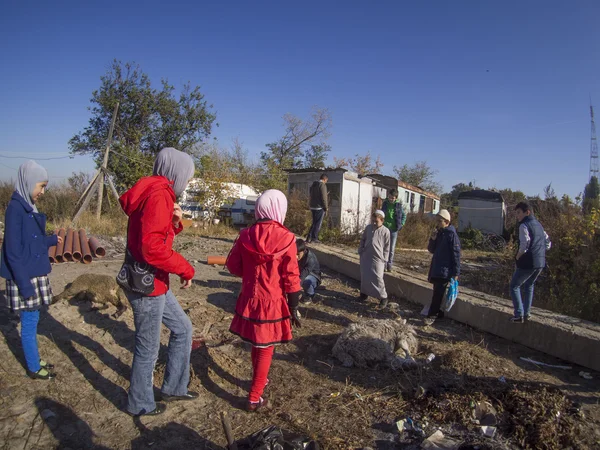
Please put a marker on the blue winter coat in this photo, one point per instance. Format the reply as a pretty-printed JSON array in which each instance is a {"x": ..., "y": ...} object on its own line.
[
  {"x": 446, "y": 254},
  {"x": 25, "y": 246}
]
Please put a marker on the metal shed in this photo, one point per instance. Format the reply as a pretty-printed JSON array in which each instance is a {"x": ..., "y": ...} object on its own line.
[
  {"x": 482, "y": 210},
  {"x": 350, "y": 196}
]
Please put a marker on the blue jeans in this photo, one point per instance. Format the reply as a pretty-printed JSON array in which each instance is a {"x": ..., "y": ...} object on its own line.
[
  {"x": 317, "y": 221},
  {"x": 393, "y": 241},
  {"x": 148, "y": 313},
  {"x": 29, "y": 323},
  {"x": 523, "y": 279},
  {"x": 309, "y": 284}
]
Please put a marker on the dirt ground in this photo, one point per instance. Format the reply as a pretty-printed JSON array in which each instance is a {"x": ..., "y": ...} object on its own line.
[{"x": 343, "y": 408}]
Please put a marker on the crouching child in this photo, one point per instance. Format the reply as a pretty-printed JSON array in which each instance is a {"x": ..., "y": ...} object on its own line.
[{"x": 310, "y": 271}]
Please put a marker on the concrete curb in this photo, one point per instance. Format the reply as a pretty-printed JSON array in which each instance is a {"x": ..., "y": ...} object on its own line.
[{"x": 567, "y": 338}]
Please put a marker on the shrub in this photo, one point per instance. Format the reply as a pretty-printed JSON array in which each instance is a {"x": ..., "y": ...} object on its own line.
[{"x": 416, "y": 231}]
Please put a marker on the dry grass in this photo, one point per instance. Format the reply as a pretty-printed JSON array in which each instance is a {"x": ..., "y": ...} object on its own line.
[{"x": 112, "y": 223}]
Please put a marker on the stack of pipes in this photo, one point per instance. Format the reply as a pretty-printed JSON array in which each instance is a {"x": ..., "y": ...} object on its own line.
[{"x": 75, "y": 247}]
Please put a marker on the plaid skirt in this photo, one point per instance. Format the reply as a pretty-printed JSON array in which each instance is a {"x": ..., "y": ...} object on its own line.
[{"x": 43, "y": 295}]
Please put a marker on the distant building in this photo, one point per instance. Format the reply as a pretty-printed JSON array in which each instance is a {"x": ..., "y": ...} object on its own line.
[
  {"x": 414, "y": 198},
  {"x": 482, "y": 210},
  {"x": 239, "y": 203},
  {"x": 350, "y": 196}
]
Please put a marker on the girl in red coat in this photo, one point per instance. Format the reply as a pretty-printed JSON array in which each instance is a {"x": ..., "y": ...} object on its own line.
[{"x": 264, "y": 256}]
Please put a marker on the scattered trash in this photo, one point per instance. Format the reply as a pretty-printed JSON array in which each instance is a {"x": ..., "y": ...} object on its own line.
[
  {"x": 430, "y": 358},
  {"x": 274, "y": 438},
  {"x": 537, "y": 363},
  {"x": 502, "y": 379},
  {"x": 437, "y": 441},
  {"x": 488, "y": 431},
  {"x": 485, "y": 414},
  {"x": 586, "y": 375},
  {"x": 409, "y": 425},
  {"x": 335, "y": 394}
]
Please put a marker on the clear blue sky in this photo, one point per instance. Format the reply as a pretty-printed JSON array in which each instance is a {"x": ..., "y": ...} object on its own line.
[{"x": 495, "y": 92}]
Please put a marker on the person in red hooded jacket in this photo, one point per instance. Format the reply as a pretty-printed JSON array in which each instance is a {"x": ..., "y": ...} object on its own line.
[
  {"x": 264, "y": 255},
  {"x": 154, "y": 220}
]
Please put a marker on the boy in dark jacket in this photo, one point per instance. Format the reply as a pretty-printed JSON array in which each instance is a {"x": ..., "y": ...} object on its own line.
[
  {"x": 445, "y": 263},
  {"x": 310, "y": 271}
]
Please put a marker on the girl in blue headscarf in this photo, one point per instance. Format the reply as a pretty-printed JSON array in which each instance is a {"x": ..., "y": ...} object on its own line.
[{"x": 25, "y": 264}]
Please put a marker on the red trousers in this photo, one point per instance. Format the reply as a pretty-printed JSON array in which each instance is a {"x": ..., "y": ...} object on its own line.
[{"x": 261, "y": 363}]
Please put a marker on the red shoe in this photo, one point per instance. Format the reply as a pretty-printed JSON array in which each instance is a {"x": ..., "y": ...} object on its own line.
[{"x": 256, "y": 406}]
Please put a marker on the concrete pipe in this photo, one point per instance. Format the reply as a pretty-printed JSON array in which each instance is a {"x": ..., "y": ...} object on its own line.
[
  {"x": 97, "y": 250},
  {"x": 60, "y": 247},
  {"x": 216, "y": 260},
  {"x": 85, "y": 247},
  {"x": 76, "y": 247},
  {"x": 68, "y": 250}
]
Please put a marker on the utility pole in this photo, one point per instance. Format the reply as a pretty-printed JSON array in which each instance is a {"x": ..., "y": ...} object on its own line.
[
  {"x": 593, "y": 147},
  {"x": 104, "y": 175},
  {"x": 100, "y": 177}
]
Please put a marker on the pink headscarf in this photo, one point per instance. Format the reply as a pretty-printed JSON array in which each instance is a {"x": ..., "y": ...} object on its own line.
[{"x": 272, "y": 204}]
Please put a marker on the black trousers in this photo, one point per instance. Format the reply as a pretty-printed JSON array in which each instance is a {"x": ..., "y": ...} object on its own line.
[{"x": 439, "y": 290}]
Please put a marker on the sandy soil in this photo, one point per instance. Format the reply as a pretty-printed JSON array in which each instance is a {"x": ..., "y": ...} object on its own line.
[{"x": 310, "y": 392}]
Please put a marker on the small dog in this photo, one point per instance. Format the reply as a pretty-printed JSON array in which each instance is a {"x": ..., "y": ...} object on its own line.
[
  {"x": 376, "y": 341},
  {"x": 97, "y": 289}
]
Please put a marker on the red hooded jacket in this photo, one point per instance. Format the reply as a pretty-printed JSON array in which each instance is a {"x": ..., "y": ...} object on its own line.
[
  {"x": 264, "y": 256},
  {"x": 149, "y": 205}
]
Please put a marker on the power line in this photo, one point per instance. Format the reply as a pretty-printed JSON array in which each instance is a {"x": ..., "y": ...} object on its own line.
[{"x": 39, "y": 159}]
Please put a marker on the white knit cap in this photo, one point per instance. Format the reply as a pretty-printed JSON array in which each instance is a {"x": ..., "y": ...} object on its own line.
[
  {"x": 380, "y": 213},
  {"x": 444, "y": 214}
]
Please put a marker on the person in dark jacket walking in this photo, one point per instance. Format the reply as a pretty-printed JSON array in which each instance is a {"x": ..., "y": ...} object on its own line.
[
  {"x": 154, "y": 221},
  {"x": 445, "y": 263},
  {"x": 25, "y": 264},
  {"x": 310, "y": 271},
  {"x": 318, "y": 207},
  {"x": 530, "y": 261},
  {"x": 395, "y": 217}
]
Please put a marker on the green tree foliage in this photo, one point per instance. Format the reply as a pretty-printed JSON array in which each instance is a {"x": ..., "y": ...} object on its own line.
[
  {"x": 591, "y": 196},
  {"x": 148, "y": 120},
  {"x": 450, "y": 199},
  {"x": 419, "y": 174},
  {"x": 316, "y": 156}
]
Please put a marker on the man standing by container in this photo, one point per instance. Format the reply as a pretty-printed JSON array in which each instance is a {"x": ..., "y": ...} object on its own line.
[
  {"x": 530, "y": 261},
  {"x": 318, "y": 207},
  {"x": 394, "y": 221}
]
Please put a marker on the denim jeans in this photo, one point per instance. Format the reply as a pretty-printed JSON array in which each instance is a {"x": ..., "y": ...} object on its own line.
[
  {"x": 393, "y": 241},
  {"x": 309, "y": 284},
  {"x": 317, "y": 221},
  {"x": 148, "y": 313},
  {"x": 29, "y": 323},
  {"x": 523, "y": 279}
]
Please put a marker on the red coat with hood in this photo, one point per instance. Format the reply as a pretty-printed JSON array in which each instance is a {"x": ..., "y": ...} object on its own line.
[
  {"x": 264, "y": 256},
  {"x": 149, "y": 205}
]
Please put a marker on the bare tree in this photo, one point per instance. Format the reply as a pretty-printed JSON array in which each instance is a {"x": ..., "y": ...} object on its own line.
[
  {"x": 287, "y": 151},
  {"x": 362, "y": 165}
]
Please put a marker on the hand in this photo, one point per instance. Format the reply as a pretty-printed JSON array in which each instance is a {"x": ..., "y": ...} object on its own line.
[
  {"x": 177, "y": 215},
  {"x": 60, "y": 239},
  {"x": 434, "y": 233},
  {"x": 185, "y": 283},
  {"x": 296, "y": 319}
]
